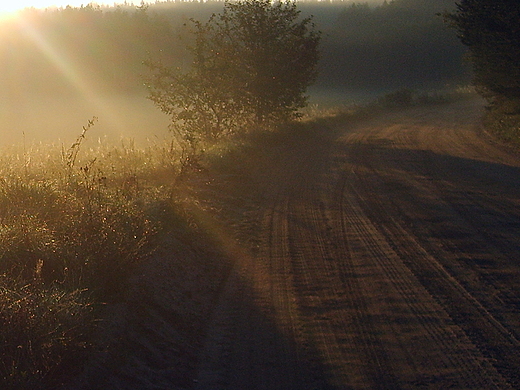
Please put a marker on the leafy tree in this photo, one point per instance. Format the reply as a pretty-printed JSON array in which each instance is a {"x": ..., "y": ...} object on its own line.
[
  {"x": 491, "y": 30},
  {"x": 250, "y": 65}
]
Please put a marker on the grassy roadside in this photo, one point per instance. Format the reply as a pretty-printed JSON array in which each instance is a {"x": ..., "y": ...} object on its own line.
[
  {"x": 76, "y": 224},
  {"x": 73, "y": 225},
  {"x": 503, "y": 120}
]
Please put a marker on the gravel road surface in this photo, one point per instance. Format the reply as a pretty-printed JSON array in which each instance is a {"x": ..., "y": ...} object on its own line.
[{"x": 388, "y": 258}]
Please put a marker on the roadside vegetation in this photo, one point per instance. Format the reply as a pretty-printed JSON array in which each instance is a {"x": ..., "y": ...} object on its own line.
[
  {"x": 73, "y": 225},
  {"x": 250, "y": 67}
]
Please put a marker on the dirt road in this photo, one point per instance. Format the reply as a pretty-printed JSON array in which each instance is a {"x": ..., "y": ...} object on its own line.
[{"x": 388, "y": 258}]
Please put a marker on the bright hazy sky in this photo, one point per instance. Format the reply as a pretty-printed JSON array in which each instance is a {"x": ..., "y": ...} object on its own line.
[
  {"x": 14, "y": 5},
  {"x": 9, "y": 7}
]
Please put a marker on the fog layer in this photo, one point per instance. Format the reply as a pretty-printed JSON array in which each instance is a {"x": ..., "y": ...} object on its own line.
[{"x": 59, "y": 68}]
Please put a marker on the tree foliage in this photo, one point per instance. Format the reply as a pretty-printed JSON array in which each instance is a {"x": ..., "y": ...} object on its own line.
[
  {"x": 250, "y": 65},
  {"x": 491, "y": 30}
]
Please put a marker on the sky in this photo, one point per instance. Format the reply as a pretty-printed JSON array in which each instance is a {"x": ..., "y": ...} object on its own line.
[{"x": 7, "y": 6}]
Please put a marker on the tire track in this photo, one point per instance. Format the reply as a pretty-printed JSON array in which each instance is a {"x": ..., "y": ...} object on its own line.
[
  {"x": 267, "y": 348},
  {"x": 446, "y": 357},
  {"x": 337, "y": 314},
  {"x": 491, "y": 337}
]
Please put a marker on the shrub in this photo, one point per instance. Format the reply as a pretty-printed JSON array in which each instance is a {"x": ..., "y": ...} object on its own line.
[{"x": 251, "y": 66}]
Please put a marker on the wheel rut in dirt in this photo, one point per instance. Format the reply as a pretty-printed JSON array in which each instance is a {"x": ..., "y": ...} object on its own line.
[{"x": 387, "y": 261}]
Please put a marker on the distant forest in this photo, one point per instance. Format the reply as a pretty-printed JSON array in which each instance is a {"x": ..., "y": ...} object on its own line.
[{"x": 398, "y": 44}]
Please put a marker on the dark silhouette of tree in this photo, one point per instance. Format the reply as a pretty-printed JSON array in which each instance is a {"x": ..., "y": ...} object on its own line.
[
  {"x": 491, "y": 31},
  {"x": 250, "y": 65}
]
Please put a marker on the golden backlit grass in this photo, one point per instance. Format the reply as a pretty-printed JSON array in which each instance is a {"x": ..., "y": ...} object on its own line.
[{"x": 74, "y": 222}]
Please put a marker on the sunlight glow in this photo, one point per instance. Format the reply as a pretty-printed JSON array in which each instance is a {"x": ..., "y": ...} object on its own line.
[
  {"x": 58, "y": 60},
  {"x": 72, "y": 75},
  {"x": 10, "y": 8}
]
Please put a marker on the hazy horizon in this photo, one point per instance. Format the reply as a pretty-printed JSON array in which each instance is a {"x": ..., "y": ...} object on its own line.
[
  {"x": 42, "y": 4},
  {"x": 59, "y": 70}
]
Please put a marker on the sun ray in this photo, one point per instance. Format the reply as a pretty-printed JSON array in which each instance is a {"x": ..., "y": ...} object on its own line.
[{"x": 77, "y": 79}]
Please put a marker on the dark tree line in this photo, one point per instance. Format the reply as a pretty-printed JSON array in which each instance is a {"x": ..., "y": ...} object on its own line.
[
  {"x": 401, "y": 43},
  {"x": 491, "y": 31}
]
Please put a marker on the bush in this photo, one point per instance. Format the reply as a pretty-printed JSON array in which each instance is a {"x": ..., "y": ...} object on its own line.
[{"x": 250, "y": 66}]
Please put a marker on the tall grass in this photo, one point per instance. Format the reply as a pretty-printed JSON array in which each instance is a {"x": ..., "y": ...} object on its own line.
[
  {"x": 45, "y": 334},
  {"x": 73, "y": 224}
]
